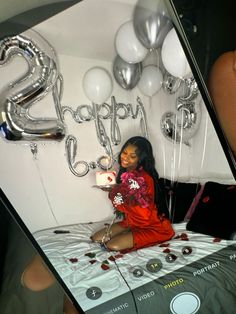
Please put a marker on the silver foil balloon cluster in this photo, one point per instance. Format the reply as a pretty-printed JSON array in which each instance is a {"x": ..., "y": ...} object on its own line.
[
  {"x": 182, "y": 125},
  {"x": 134, "y": 42},
  {"x": 16, "y": 123}
]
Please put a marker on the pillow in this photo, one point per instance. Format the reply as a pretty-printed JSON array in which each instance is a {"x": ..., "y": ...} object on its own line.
[
  {"x": 179, "y": 197},
  {"x": 215, "y": 213}
]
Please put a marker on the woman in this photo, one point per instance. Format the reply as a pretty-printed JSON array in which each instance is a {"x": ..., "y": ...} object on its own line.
[{"x": 136, "y": 196}]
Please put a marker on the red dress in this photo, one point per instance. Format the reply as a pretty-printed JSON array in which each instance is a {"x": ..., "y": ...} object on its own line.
[{"x": 146, "y": 226}]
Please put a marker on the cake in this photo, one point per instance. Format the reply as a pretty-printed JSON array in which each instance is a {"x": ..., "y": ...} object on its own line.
[{"x": 105, "y": 178}]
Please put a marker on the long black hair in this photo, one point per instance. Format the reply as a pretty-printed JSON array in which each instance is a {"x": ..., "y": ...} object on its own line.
[{"x": 146, "y": 160}]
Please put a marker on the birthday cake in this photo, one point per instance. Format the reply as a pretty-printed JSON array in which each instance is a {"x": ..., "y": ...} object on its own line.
[{"x": 105, "y": 178}]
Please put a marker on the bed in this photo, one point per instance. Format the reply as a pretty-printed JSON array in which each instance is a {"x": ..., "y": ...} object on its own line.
[{"x": 191, "y": 273}]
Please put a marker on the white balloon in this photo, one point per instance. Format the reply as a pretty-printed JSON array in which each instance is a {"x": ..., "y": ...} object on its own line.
[
  {"x": 150, "y": 81},
  {"x": 128, "y": 47},
  {"x": 173, "y": 56},
  {"x": 97, "y": 84}
]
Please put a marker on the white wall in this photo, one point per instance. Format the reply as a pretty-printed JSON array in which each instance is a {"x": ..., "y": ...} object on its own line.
[{"x": 44, "y": 191}]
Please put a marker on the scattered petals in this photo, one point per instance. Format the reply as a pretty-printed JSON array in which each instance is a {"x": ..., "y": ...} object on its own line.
[
  {"x": 118, "y": 255},
  {"x": 105, "y": 267},
  {"x": 164, "y": 245},
  {"x": 73, "y": 260},
  {"x": 177, "y": 237},
  {"x": 166, "y": 251},
  {"x": 90, "y": 255},
  {"x": 206, "y": 199},
  {"x": 217, "y": 240},
  {"x": 93, "y": 261},
  {"x": 111, "y": 258}
]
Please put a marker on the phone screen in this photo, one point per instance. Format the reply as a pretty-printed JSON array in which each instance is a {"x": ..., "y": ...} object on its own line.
[{"x": 74, "y": 90}]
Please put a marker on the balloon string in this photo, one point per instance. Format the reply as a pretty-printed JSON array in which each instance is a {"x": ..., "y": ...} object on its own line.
[
  {"x": 205, "y": 140},
  {"x": 45, "y": 191}
]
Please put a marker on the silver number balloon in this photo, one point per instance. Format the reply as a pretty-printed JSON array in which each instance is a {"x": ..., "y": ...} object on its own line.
[
  {"x": 15, "y": 101},
  {"x": 170, "y": 84},
  {"x": 127, "y": 75},
  {"x": 183, "y": 125},
  {"x": 151, "y": 23}
]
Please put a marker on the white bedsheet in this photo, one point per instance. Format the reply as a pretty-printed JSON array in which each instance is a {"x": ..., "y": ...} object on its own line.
[{"x": 95, "y": 275}]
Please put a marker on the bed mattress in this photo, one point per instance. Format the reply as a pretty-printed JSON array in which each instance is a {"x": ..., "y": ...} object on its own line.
[{"x": 191, "y": 273}]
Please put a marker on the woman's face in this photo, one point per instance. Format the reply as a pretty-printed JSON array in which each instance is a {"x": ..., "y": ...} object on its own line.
[{"x": 129, "y": 157}]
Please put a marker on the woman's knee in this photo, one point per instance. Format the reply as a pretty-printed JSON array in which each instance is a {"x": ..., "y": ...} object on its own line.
[
  {"x": 111, "y": 246},
  {"x": 98, "y": 236}
]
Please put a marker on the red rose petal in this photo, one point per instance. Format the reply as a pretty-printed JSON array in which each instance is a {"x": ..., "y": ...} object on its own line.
[
  {"x": 90, "y": 254},
  {"x": 73, "y": 260},
  {"x": 164, "y": 245},
  {"x": 217, "y": 240},
  {"x": 118, "y": 255},
  {"x": 206, "y": 199},
  {"x": 111, "y": 258},
  {"x": 177, "y": 237},
  {"x": 93, "y": 261},
  {"x": 105, "y": 267},
  {"x": 166, "y": 251}
]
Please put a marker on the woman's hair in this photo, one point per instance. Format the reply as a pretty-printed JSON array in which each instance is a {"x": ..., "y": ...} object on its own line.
[{"x": 146, "y": 160}]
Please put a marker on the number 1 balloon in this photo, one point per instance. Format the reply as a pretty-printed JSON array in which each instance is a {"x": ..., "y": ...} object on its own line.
[{"x": 17, "y": 98}]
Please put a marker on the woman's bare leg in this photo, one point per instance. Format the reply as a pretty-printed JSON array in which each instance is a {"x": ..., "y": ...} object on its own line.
[
  {"x": 114, "y": 231},
  {"x": 121, "y": 242}
]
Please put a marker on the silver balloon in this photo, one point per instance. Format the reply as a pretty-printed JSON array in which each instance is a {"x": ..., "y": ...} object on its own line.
[
  {"x": 115, "y": 130},
  {"x": 191, "y": 90},
  {"x": 151, "y": 23},
  {"x": 103, "y": 138},
  {"x": 105, "y": 162},
  {"x": 182, "y": 125},
  {"x": 170, "y": 84},
  {"x": 71, "y": 150},
  {"x": 15, "y": 101},
  {"x": 126, "y": 74}
]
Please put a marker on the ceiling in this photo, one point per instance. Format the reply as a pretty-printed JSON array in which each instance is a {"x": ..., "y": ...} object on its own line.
[
  {"x": 83, "y": 29},
  {"x": 88, "y": 29}
]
